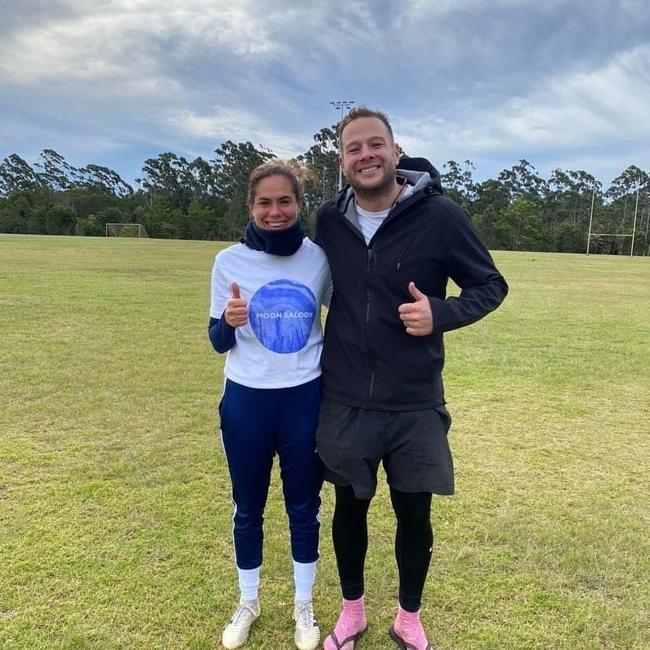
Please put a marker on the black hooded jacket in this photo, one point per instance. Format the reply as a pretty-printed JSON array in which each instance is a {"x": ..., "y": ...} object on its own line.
[{"x": 368, "y": 359}]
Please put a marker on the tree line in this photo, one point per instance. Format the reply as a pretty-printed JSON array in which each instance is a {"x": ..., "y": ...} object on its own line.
[{"x": 206, "y": 199}]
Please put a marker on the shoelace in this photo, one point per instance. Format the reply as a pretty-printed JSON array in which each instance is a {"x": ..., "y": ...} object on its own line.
[
  {"x": 242, "y": 612},
  {"x": 305, "y": 616}
]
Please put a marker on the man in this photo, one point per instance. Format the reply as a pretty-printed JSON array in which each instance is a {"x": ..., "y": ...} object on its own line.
[{"x": 392, "y": 241}]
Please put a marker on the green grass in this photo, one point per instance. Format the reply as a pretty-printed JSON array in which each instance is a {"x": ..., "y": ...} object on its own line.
[{"x": 115, "y": 510}]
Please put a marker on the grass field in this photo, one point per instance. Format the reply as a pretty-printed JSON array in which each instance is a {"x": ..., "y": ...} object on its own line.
[{"x": 115, "y": 512}]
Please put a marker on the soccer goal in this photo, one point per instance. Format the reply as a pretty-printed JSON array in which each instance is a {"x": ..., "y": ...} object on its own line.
[{"x": 125, "y": 230}]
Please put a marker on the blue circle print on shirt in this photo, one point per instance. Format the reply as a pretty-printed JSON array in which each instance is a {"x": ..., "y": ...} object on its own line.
[{"x": 281, "y": 314}]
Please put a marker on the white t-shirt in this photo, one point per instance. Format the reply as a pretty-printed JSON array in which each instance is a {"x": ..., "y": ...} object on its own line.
[
  {"x": 280, "y": 346},
  {"x": 369, "y": 222}
]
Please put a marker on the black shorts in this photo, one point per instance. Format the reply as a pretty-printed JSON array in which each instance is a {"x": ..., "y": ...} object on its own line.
[{"x": 412, "y": 445}]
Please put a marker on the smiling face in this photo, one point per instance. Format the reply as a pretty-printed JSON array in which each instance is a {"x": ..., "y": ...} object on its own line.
[
  {"x": 275, "y": 205},
  {"x": 369, "y": 156}
]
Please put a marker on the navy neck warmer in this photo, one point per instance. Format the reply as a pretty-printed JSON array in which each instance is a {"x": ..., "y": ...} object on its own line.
[{"x": 275, "y": 242}]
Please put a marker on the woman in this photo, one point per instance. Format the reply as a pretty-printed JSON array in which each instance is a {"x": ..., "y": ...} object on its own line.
[{"x": 267, "y": 294}]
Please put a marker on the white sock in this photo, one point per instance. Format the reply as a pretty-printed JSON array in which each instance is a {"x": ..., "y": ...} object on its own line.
[
  {"x": 249, "y": 583},
  {"x": 304, "y": 575}
]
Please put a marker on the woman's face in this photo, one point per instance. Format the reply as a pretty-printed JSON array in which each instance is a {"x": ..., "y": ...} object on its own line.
[{"x": 275, "y": 206}]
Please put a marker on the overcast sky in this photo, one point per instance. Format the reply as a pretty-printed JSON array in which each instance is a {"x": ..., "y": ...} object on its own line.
[{"x": 559, "y": 83}]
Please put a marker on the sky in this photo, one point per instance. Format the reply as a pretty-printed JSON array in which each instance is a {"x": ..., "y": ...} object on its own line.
[{"x": 558, "y": 83}]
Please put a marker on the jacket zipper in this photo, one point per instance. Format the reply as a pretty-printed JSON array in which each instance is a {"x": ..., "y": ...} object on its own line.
[
  {"x": 368, "y": 299},
  {"x": 406, "y": 250}
]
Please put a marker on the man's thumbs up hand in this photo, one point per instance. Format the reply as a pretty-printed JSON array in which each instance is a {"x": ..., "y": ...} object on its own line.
[
  {"x": 236, "y": 312},
  {"x": 416, "y": 293},
  {"x": 416, "y": 316}
]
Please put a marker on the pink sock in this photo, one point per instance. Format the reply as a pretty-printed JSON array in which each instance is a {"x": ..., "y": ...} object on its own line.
[
  {"x": 351, "y": 621},
  {"x": 408, "y": 628}
]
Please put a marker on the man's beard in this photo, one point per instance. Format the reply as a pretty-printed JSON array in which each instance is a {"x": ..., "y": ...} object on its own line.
[{"x": 384, "y": 189}]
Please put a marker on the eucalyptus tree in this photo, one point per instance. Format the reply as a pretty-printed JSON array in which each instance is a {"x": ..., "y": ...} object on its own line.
[
  {"x": 320, "y": 162},
  {"x": 617, "y": 216},
  {"x": 102, "y": 178},
  {"x": 521, "y": 228},
  {"x": 231, "y": 169},
  {"x": 54, "y": 171},
  {"x": 167, "y": 176},
  {"x": 17, "y": 174},
  {"x": 492, "y": 199},
  {"x": 458, "y": 183},
  {"x": 626, "y": 184},
  {"x": 320, "y": 167},
  {"x": 568, "y": 208},
  {"x": 570, "y": 196},
  {"x": 522, "y": 180}
]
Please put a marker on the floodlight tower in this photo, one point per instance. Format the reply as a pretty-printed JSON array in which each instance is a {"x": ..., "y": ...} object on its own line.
[
  {"x": 343, "y": 105},
  {"x": 591, "y": 216},
  {"x": 636, "y": 210}
]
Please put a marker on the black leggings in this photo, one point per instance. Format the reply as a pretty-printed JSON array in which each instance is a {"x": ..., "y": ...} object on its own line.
[{"x": 413, "y": 543}]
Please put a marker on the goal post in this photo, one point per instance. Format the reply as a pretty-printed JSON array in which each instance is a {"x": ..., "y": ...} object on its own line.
[
  {"x": 125, "y": 230},
  {"x": 594, "y": 236},
  {"x": 614, "y": 235}
]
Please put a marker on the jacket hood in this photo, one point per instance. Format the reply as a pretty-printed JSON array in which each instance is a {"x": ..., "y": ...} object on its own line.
[{"x": 407, "y": 164}]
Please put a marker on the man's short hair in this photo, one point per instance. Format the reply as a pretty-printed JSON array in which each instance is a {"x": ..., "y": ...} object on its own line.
[{"x": 363, "y": 111}]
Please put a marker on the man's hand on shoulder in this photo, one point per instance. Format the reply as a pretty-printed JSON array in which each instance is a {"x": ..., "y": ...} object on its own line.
[{"x": 417, "y": 316}]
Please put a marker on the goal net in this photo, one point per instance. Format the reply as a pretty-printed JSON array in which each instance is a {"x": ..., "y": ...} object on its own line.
[{"x": 125, "y": 230}]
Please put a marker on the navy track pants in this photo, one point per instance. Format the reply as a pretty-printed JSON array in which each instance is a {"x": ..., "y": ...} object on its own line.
[{"x": 255, "y": 425}]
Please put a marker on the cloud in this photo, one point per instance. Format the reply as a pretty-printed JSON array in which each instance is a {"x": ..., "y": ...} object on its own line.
[
  {"x": 567, "y": 112},
  {"x": 584, "y": 107},
  {"x": 125, "y": 39},
  {"x": 489, "y": 81},
  {"x": 236, "y": 125}
]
